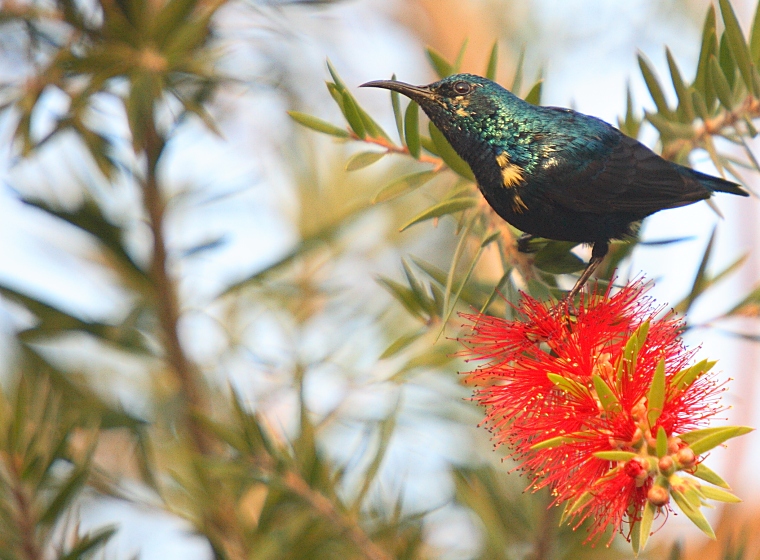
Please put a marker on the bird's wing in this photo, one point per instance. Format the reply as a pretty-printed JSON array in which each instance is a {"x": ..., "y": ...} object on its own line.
[{"x": 626, "y": 177}]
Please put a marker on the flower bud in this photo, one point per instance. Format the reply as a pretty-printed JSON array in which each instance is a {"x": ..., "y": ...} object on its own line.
[
  {"x": 686, "y": 458},
  {"x": 666, "y": 465},
  {"x": 658, "y": 496}
]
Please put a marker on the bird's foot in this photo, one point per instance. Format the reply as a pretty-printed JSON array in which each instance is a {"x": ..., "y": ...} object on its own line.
[{"x": 523, "y": 243}]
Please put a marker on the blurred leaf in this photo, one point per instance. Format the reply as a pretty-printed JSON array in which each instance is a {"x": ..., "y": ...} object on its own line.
[
  {"x": 493, "y": 61},
  {"x": 739, "y": 47},
  {"x": 351, "y": 112},
  {"x": 400, "y": 344},
  {"x": 713, "y": 493},
  {"x": 653, "y": 85},
  {"x": 317, "y": 124},
  {"x": 438, "y": 62},
  {"x": 719, "y": 82},
  {"x": 555, "y": 258},
  {"x": 517, "y": 78},
  {"x": 90, "y": 543},
  {"x": 398, "y": 117},
  {"x": 449, "y": 156},
  {"x": 534, "y": 95},
  {"x": 363, "y": 159},
  {"x": 441, "y": 209},
  {"x": 403, "y": 185},
  {"x": 682, "y": 92},
  {"x": 412, "y": 129},
  {"x": 754, "y": 41}
]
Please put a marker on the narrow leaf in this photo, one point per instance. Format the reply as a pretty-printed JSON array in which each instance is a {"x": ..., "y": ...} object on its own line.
[
  {"x": 412, "y": 129},
  {"x": 493, "y": 61},
  {"x": 398, "y": 116},
  {"x": 708, "y": 475},
  {"x": 645, "y": 526},
  {"x": 605, "y": 395},
  {"x": 712, "y": 493},
  {"x": 569, "y": 385},
  {"x": 534, "y": 95},
  {"x": 685, "y": 102},
  {"x": 693, "y": 513},
  {"x": 738, "y": 44},
  {"x": 653, "y": 85},
  {"x": 555, "y": 442},
  {"x": 441, "y": 209},
  {"x": 403, "y": 185},
  {"x": 363, "y": 159},
  {"x": 712, "y": 440},
  {"x": 449, "y": 156},
  {"x": 615, "y": 455},
  {"x": 440, "y": 65},
  {"x": 656, "y": 396},
  {"x": 662, "y": 442},
  {"x": 720, "y": 83},
  {"x": 351, "y": 112}
]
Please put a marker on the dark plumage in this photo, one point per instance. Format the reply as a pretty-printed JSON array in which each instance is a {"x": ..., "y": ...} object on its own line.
[{"x": 554, "y": 172}]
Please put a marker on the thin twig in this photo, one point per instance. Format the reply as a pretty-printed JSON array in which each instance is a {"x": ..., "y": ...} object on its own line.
[
  {"x": 166, "y": 300},
  {"x": 296, "y": 484},
  {"x": 394, "y": 149}
]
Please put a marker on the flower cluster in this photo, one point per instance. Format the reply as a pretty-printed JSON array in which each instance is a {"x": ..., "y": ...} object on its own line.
[{"x": 603, "y": 406}]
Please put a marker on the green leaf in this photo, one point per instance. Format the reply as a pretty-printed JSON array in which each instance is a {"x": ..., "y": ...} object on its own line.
[
  {"x": 656, "y": 397},
  {"x": 449, "y": 156},
  {"x": 441, "y": 209},
  {"x": 609, "y": 400},
  {"x": 534, "y": 95},
  {"x": 400, "y": 344},
  {"x": 404, "y": 295},
  {"x": 493, "y": 61},
  {"x": 517, "y": 79},
  {"x": 736, "y": 41},
  {"x": 363, "y": 159},
  {"x": 708, "y": 475},
  {"x": 440, "y": 65},
  {"x": 403, "y": 185},
  {"x": 720, "y": 83},
  {"x": 573, "y": 507},
  {"x": 754, "y": 40},
  {"x": 662, "y": 442},
  {"x": 551, "y": 443},
  {"x": 712, "y": 493},
  {"x": 555, "y": 258},
  {"x": 615, "y": 455},
  {"x": 397, "y": 115},
  {"x": 708, "y": 48},
  {"x": 460, "y": 57},
  {"x": 653, "y": 85},
  {"x": 318, "y": 124},
  {"x": 64, "y": 496},
  {"x": 684, "y": 378},
  {"x": 412, "y": 129},
  {"x": 351, "y": 112},
  {"x": 693, "y": 513},
  {"x": 627, "y": 363},
  {"x": 341, "y": 87},
  {"x": 682, "y": 91},
  {"x": 702, "y": 441},
  {"x": 644, "y": 527},
  {"x": 87, "y": 545},
  {"x": 569, "y": 385}
]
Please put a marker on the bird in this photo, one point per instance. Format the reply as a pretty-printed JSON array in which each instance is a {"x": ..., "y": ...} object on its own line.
[{"x": 553, "y": 172}]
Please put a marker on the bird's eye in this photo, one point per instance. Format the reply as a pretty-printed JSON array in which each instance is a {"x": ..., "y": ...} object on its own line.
[{"x": 462, "y": 88}]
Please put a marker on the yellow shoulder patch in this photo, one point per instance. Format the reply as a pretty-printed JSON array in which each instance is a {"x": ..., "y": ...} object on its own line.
[{"x": 511, "y": 174}]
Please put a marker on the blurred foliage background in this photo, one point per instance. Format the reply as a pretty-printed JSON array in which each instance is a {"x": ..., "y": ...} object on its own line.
[{"x": 216, "y": 340}]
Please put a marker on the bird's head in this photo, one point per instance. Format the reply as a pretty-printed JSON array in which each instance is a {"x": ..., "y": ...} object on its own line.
[{"x": 459, "y": 103}]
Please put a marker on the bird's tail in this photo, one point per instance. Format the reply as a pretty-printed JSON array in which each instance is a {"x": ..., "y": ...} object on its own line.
[{"x": 718, "y": 184}]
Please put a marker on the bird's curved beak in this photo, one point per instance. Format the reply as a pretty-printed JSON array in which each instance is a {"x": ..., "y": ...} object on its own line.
[{"x": 417, "y": 93}]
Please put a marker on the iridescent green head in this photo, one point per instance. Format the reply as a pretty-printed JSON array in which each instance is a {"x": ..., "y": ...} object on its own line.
[{"x": 462, "y": 103}]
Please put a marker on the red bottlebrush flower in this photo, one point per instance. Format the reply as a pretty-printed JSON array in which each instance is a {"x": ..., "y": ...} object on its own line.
[{"x": 592, "y": 405}]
